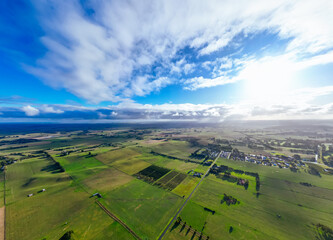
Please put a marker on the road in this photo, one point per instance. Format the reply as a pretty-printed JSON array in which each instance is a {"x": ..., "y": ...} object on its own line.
[
  {"x": 187, "y": 199},
  {"x": 118, "y": 220}
]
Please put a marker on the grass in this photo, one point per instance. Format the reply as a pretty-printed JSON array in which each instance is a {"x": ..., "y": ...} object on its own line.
[
  {"x": 180, "y": 149},
  {"x": 145, "y": 208},
  {"x": 298, "y": 207},
  {"x": 117, "y": 155},
  {"x": 45, "y": 213},
  {"x": 173, "y": 164},
  {"x": 325, "y": 181},
  {"x": 106, "y": 180},
  {"x": 187, "y": 186},
  {"x": 126, "y": 160},
  {"x": 285, "y": 209}
]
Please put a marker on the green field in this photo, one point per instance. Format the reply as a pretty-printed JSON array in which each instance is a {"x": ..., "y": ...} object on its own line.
[
  {"x": 284, "y": 209},
  {"x": 46, "y": 214},
  {"x": 144, "y": 207},
  {"x": 143, "y": 178},
  {"x": 179, "y": 149}
]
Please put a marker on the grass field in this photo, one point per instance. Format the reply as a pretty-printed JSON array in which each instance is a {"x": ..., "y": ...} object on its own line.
[
  {"x": 145, "y": 208},
  {"x": 187, "y": 186},
  {"x": 145, "y": 189},
  {"x": 179, "y": 149},
  {"x": 45, "y": 214},
  {"x": 284, "y": 209},
  {"x": 106, "y": 180}
]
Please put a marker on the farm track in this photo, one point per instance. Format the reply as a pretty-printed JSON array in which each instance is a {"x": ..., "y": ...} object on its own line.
[
  {"x": 102, "y": 206},
  {"x": 141, "y": 199},
  {"x": 187, "y": 199},
  {"x": 117, "y": 220}
]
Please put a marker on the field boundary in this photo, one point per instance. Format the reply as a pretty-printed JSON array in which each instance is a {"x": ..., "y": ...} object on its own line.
[
  {"x": 4, "y": 203},
  {"x": 186, "y": 200},
  {"x": 117, "y": 219}
]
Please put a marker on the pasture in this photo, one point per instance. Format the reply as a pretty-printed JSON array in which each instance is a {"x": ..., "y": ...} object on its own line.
[
  {"x": 143, "y": 207},
  {"x": 46, "y": 214},
  {"x": 143, "y": 178},
  {"x": 284, "y": 209},
  {"x": 178, "y": 149}
]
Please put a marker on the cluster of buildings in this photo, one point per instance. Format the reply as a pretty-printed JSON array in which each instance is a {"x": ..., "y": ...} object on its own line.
[{"x": 276, "y": 161}]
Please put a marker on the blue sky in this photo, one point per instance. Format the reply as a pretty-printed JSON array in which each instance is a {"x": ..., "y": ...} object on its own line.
[{"x": 102, "y": 61}]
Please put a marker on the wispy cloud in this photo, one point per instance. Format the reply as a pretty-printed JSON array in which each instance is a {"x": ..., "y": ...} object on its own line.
[{"x": 111, "y": 50}]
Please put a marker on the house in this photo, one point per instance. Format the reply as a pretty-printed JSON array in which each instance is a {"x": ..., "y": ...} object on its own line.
[
  {"x": 30, "y": 195},
  {"x": 196, "y": 174},
  {"x": 43, "y": 190}
]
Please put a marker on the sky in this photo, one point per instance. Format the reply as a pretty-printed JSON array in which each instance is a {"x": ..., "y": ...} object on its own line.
[{"x": 148, "y": 60}]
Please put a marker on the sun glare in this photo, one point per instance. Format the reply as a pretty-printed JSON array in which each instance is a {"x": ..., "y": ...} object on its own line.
[{"x": 268, "y": 80}]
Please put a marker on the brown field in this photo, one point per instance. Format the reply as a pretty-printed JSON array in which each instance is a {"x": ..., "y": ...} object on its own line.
[{"x": 107, "y": 180}]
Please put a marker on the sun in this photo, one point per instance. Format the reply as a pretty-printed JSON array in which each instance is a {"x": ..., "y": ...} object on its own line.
[{"x": 268, "y": 80}]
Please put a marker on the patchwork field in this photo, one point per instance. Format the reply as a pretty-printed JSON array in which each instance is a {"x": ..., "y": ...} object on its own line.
[
  {"x": 283, "y": 210},
  {"x": 131, "y": 183}
]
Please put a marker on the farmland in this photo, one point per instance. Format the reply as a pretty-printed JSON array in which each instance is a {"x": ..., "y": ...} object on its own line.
[{"x": 266, "y": 184}]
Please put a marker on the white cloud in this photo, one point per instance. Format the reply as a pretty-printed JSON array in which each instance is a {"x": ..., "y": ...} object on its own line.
[
  {"x": 50, "y": 109},
  {"x": 266, "y": 74},
  {"x": 295, "y": 104},
  {"x": 113, "y": 114},
  {"x": 101, "y": 115},
  {"x": 102, "y": 56},
  {"x": 201, "y": 82},
  {"x": 189, "y": 68},
  {"x": 30, "y": 111}
]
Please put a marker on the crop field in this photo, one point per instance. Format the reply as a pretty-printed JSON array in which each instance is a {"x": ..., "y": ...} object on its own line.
[
  {"x": 162, "y": 181},
  {"x": 152, "y": 173},
  {"x": 171, "y": 180},
  {"x": 142, "y": 177},
  {"x": 187, "y": 186}
]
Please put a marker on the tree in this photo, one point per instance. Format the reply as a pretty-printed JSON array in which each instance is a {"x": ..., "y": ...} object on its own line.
[
  {"x": 297, "y": 157},
  {"x": 68, "y": 236}
]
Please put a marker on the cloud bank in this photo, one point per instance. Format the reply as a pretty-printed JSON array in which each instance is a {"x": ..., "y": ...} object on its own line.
[{"x": 296, "y": 105}]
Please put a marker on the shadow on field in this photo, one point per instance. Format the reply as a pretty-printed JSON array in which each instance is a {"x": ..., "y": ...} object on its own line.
[
  {"x": 53, "y": 168},
  {"x": 30, "y": 181}
]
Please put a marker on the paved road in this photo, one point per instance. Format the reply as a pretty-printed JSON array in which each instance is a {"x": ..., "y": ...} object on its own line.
[{"x": 188, "y": 198}]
